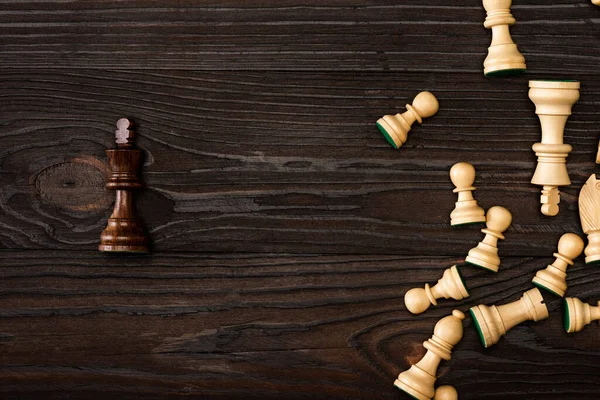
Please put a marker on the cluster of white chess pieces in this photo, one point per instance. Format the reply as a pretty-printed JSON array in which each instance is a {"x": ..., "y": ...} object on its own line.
[
  {"x": 491, "y": 322},
  {"x": 554, "y": 101}
]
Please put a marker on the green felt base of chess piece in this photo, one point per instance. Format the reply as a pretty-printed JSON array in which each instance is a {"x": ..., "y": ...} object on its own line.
[
  {"x": 408, "y": 393},
  {"x": 538, "y": 284},
  {"x": 479, "y": 266},
  {"x": 468, "y": 224},
  {"x": 566, "y": 316},
  {"x": 463, "y": 281},
  {"x": 478, "y": 328},
  {"x": 386, "y": 135},
  {"x": 505, "y": 72}
]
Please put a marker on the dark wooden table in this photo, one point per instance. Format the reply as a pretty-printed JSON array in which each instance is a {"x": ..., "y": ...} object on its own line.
[{"x": 285, "y": 229}]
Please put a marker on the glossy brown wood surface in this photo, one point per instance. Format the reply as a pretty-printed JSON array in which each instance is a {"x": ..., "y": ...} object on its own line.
[{"x": 285, "y": 229}]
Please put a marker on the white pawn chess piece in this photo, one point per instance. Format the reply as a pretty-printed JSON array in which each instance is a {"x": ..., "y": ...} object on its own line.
[
  {"x": 395, "y": 128},
  {"x": 503, "y": 58},
  {"x": 485, "y": 255},
  {"x": 451, "y": 285},
  {"x": 466, "y": 210},
  {"x": 419, "y": 380},
  {"x": 554, "y": 277},
  {"x": 445, "y": 392},
  {"x": 578, "y": 314}
]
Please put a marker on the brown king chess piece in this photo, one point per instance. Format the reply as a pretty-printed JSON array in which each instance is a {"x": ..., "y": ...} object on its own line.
[{"x": 124, "y": 232}]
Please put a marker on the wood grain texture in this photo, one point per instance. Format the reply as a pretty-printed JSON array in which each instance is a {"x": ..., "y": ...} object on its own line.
[
  {"x": 333, "y": 35},
  {"x": 257, "y": 162},
  {"x": 268, "y": 326},
  {"x": 286, "y": 229}
]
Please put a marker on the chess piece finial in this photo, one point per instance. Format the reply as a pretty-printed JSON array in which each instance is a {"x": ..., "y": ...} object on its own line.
[
  {"x": 589, "y": 204},
  {"x": 553, "y": 102},
  {"x": 395, "y": 128},
  {"x": 466, "y": 210},
  {"x": 503, "y": 57},
  {"x": 554, "y": 277},
  {"x": 419, "y": 380},
  {"x": 124, "y": 232},
  {"x": 451, "y": 285},
  {"x": 445, "y": 392},
  {"x": 494, "y": 321},
  {"x": 124, "y": 135},
  {"x": 485, "y": 255},
  {"x": 578, "y": 314}
]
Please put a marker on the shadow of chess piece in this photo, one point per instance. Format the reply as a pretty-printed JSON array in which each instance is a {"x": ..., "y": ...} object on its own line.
[
  {"x": 451, "y": 285},
  {"x": 494, "y": 321},
  {"x": 578, "y": 314},
  {"x": 485, "y": 255},
  {"x": 419, "y": 380},
  {"x": 504, "y": 58},
  {"x": 395, "y": 128},
  {"x": 466, "y": 210},
  {"x": 124, "y": 232},
  {"x": 554, "y": 277}
]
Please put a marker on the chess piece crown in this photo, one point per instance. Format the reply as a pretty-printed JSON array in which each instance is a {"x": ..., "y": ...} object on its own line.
[
  {"x": 492, "y": 322},
  {"x": 578, "y": 314},
  {"x": 553, "y": 102},
  {"x": 485, "y": 255},
  {"x": 124, "y": 232},
  {"x": 395, "y": 128},
  {"x": 466, "y": 210},
  {"x": 503, "y": 57},
  {"x": 553, "y": 278},
  {"x": 419, "y": 380},
  {"x": 589, "y": 213},
  {"x": 451, "y": 285}
]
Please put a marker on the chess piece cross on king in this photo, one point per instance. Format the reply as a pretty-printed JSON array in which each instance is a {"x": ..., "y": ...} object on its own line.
[{"x": 124, "y": 231}]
